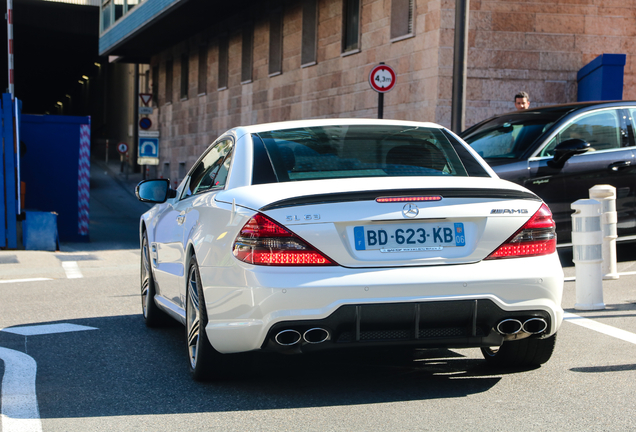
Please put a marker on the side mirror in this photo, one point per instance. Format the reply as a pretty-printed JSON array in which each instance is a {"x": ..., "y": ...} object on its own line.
[
  {"x": 566, "y": 150},
  {"x": 154, "y": 191}
]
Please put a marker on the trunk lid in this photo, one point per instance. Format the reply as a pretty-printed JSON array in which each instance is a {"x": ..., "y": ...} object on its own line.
[{"x": 436, "y": 221}]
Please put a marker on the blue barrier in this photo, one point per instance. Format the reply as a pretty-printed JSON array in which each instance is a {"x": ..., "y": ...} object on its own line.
[
  {"x": 39, "y": 231},
  {"x": 602, "y": 78},
  {"x": 9, "y": 192},
  {"x": 51, "y": 169}
]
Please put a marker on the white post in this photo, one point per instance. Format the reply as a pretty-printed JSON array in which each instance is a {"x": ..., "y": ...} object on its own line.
[
  {"x": 606, "y": 195},
  {"x": 587, "y": 241}
]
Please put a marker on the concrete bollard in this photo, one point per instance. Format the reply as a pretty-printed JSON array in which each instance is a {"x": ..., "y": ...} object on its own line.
[
  {"x": 606, "y": 195},
  {"x": 587, "y": 246}
]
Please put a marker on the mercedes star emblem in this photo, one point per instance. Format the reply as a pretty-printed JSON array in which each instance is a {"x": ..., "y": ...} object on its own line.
[{"x": 410, "y": 210}]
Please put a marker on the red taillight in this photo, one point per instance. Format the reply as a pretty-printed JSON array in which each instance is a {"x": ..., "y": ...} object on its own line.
[
  {"x": 264, "y": 242},
  {"x": 536, "y": 237}
]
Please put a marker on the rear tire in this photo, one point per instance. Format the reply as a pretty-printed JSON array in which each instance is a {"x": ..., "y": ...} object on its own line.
[
  {"x": 528, "y": 352},
  {"x": 153, "y": 316},
  {"x": 205, "y": 363}
]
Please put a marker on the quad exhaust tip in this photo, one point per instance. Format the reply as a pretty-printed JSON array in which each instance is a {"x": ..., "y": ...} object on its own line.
[
  {"x": 288, "y": 337},
  {"x": 316, "y": 335},
  {"x": 291, "y": 337},
  {"x": 509, "y": 326},
  {"x": 535, "y": 326},
  {"x": 513, "y": 326}
]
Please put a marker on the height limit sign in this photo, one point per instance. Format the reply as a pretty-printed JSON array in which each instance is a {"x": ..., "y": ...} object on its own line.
[{"x": 382, "y": 79}]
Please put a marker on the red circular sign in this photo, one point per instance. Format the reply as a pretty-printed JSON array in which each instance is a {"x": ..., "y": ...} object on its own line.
[
  {"x": 122, "y": 148},
  {"x": 382, "y": 78}
]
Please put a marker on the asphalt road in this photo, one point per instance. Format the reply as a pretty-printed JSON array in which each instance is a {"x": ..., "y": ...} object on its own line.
[{"x": 113, "y": 373}]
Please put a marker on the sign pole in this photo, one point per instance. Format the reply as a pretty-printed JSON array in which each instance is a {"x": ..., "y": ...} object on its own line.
[{"x": 380, "y": 105}]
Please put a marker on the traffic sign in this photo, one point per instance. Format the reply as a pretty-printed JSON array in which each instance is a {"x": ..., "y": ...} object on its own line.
[
  {"x": 145, "y": 98},
  {"x": 382, "y": 78},
  {"x": 145, "y": 123},
  {"x": 145, "y": 110},
  {"x": 122, "y": 148},
  {"x": 149, "y": 134},
  {"x": 149, "y": 147}
]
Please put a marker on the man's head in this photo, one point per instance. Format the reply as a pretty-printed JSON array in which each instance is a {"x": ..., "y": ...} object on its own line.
[{"x": 522, "y": 101}]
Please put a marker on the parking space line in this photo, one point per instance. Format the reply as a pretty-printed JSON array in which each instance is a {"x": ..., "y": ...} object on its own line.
[
  {"x": 72, "y": 270},
  {"x": 599, "y": 327},
  {"x": 45, "y": 329},
  {"x": 20, "y": 411},
  {"x": 24, "y": 280}
]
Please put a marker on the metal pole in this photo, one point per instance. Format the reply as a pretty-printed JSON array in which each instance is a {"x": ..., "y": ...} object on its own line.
[
  {"x": 10, "y": 45},
  {"x": 380, "y": 105},
  {"x": 135, "y": 145},
  {"x": 460, "y": 57}
]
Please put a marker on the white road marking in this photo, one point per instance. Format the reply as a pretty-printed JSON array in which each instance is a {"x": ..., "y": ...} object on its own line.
[
  {"x": 599, "y": 327},
  {"x": 20, "y": 411},
  {"x": 24, "y": 280},
  {"x": 46, "y": 329},
  {"x": 18, "y": 399},
  {"x": 573, "y": 278},
  {"x": 72, "y": 270}
]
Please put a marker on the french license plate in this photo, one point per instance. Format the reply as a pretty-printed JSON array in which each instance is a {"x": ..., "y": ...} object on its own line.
[{"x": 409, "y": 237}]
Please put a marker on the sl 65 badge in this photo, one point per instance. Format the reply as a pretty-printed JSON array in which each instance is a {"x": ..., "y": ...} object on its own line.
[
  {"x": 307, "y": 217},
  {"x": 509, "y": 211}
]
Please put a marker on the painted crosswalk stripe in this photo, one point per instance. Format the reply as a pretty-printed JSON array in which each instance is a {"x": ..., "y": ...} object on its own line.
[
  {"x": 72, "y": 270},
  {"x": 599, "y": 327}
]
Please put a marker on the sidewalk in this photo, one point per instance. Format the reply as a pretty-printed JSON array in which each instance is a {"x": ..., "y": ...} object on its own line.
[{"x": 114, "y": 210}]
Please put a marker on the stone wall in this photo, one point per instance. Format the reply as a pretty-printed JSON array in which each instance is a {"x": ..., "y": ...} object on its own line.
[
  {"x": 532, "y": 45},
  {"x": 336, "y": 86}
]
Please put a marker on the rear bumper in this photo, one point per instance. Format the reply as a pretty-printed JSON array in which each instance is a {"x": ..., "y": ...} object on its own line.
[{"x": 444, "y": 306}]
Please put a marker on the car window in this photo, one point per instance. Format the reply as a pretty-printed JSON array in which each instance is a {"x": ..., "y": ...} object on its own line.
[
  {"x": 601, "y": 129},
  {"x": 360, "y": 151},
  {"x": 211, "y": 172},
  {"x": 508, "y": 140}
]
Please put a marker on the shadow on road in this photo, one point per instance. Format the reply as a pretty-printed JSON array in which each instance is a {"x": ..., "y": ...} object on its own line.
[{"x": 125, "y": 368}]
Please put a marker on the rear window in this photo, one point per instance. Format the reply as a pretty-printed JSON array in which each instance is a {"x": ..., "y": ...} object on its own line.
[{"x": 330, "y": 152}]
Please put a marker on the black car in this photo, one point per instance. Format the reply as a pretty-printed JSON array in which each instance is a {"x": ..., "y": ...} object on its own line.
[{"x": 561, "y": 151}]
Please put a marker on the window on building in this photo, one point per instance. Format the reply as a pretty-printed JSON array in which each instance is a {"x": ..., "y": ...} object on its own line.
[
  {"x": 166, "y": 170},
  {"x": 132, "y": 3},
  {"x": 223, "y": 63},
  {"x": 351, "y": 26},
  {"x": 203, "y": 69},
  {"x": 402, "y": 18},
  {"x": 246, "y": 54},
  {"x": 119, "y": 9},
  {"x": 185, "y": 75},
  {"x": 106, "y": 14},
  {"x": 155, "y": 85},
  {"x": 309, "y": 33},
  {"x": 276, "y": 42},
  {"x": 169, "y": 81}
]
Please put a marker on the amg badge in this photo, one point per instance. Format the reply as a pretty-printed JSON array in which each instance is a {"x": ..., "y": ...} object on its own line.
[{"x": 509, "y": 211}]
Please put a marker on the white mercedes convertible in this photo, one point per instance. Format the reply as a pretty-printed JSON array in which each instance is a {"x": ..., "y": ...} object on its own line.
[{"x": 313, "y": 235}]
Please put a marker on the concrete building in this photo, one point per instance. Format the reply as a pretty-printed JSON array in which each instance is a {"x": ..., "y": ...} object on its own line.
[{"x": 214, "y": 65}]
